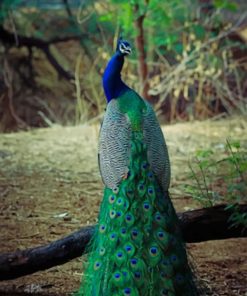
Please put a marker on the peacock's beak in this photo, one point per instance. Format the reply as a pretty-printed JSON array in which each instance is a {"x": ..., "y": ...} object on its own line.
[{"x": 127, "y": 50}]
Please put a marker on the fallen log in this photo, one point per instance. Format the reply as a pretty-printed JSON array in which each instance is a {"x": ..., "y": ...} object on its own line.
[{"x": 197, "y": 226}]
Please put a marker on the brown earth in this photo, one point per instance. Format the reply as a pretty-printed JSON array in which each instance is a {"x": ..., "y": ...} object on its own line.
[{"x": 50, "y": 186}]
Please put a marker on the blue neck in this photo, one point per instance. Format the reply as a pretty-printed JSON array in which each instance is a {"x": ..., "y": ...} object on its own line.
[{"x": 112, "y": 82}]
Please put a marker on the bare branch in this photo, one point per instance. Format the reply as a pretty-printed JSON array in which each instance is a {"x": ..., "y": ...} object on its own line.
[
  {"x": 197, "y": 226},
  {"x": 10, "y": 39}
]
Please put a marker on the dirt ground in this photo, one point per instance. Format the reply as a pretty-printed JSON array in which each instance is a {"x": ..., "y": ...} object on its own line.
[{"x": 50, "y": 186}]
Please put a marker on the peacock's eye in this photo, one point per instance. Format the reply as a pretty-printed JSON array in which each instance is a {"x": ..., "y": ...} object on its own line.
[
  {"x": 125, "y": 48},
  {"x": 121, "y": 47}
]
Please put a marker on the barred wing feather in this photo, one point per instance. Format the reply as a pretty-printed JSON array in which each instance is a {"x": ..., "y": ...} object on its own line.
[
  {"x": 114, "y": 146},
  {"x": 157, "y": 150}
]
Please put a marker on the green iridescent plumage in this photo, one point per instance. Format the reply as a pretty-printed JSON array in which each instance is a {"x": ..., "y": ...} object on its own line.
[
  {"x": 137, "y": 249},
  {"x": 134, "y": 107}
]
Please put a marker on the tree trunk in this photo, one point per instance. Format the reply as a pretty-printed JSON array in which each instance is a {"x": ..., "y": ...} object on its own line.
[
  {"x": 197, "y": 226},
  {"x": 140, "y": 45}
]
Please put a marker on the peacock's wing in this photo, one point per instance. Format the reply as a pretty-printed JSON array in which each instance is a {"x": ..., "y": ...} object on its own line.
[
  {"x": 114, "y": 146},
  {"x": 157, "y": 152}
]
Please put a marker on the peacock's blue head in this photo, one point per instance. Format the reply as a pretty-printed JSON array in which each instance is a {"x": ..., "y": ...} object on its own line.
[
  {"x": 123, "y": 47},
  {"x": 112, "y": 82}
]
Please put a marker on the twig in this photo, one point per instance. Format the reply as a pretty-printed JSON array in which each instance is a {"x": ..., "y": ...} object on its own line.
[
  {"x": 167, "y": 84},
  {"x": 8, "y": 80}
]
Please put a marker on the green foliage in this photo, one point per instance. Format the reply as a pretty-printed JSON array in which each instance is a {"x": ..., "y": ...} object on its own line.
[
  {"x": 202, "y": 172},
  {"x": 224, "y": 4},
  {"x": 5, "y": 8},
  {"x": 189, "y": 39},
  {"x": 215, "y": 180}
]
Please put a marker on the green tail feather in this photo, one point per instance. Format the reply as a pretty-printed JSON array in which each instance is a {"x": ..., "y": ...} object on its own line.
[{"x": 137, "y": 249}]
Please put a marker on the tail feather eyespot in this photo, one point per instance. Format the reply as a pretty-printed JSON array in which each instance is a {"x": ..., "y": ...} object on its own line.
[
  {"x": 130, "y": 249},
  {"x": 112, "y": 199},
  {"x": 179, "y": 278},
  {"x": 102, "y": 251},
  {"x": 115, "y": 190},
  {"x": 153, "y": 251},
  {"x": 113, "y": 214},
  {"x": 102, "y": 228},
  {"x": 127, "y": 291},
  {"x": 97, "y": 265},
  {"x": 144, "y": 165}
]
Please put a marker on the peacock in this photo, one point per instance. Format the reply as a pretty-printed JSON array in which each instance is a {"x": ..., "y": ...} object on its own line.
[{"x": 137, "y": 248}]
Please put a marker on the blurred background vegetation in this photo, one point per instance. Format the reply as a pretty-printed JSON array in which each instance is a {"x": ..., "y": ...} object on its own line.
[{"x": 189, "y": 59}]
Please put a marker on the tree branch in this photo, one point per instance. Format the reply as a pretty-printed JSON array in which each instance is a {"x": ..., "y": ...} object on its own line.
[
  {"x": 56, "y": 65},
  {"x": 9, "y": 38},
  {"x": 197, "y": 226}
]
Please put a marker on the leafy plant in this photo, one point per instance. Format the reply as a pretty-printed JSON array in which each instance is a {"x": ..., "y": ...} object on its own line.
[
  {"x": 201, "y": 189},
  {"x": 215, "y": 180},
  {"x": 189, "y": 42}
]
